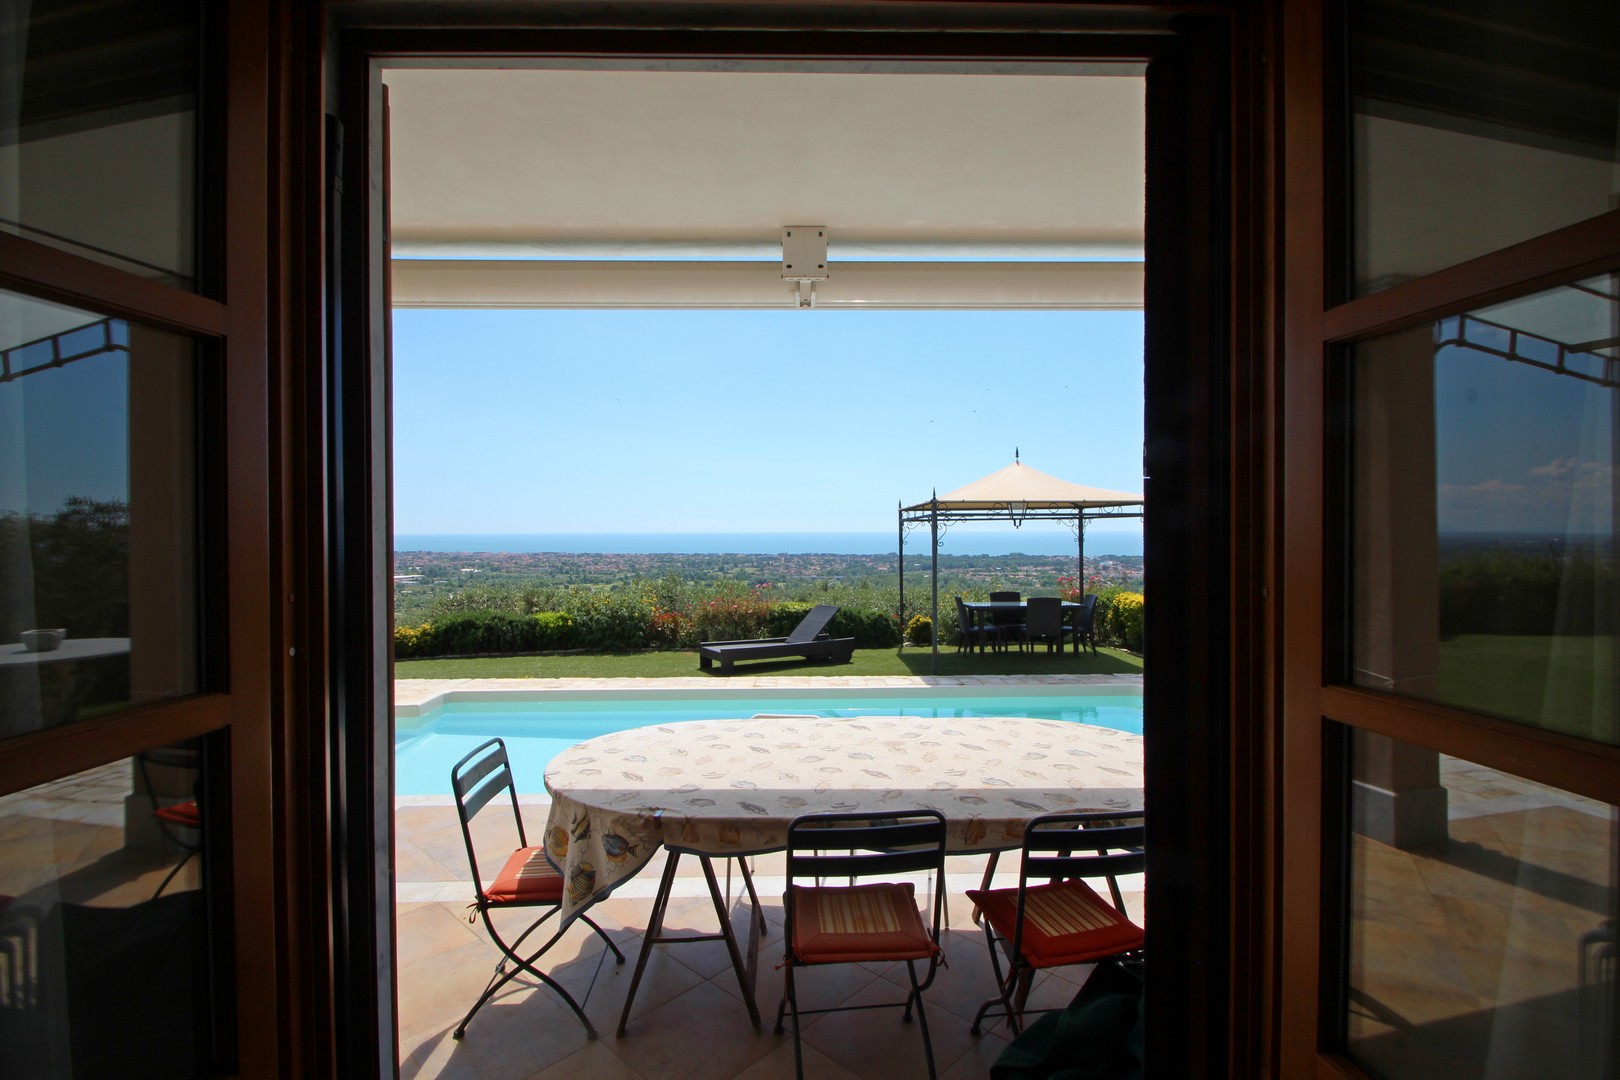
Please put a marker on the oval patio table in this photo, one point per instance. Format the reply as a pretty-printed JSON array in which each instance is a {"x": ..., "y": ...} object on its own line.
[{"x": 726, "y": 788}]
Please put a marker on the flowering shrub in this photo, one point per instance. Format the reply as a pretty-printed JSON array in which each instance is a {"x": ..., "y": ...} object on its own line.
[
  {"x": 408, "y": 640},
  {"x": 729, "y": 617},
  {"x": 1125, "y": 620},
  {"x": 667, "y": 629},
  {"x": 920, "y": 630},
  {"x": 553, "y": 629}
]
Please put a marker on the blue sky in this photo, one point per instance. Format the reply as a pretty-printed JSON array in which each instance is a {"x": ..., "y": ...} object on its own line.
[
  {"x": 63, "y": 433},
  {"x": 1521, "y": 449},
  {"x": 758, "y": 421}
]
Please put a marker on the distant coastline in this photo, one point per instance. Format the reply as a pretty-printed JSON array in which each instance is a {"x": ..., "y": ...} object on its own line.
[{"x": 1099, "y": 542}]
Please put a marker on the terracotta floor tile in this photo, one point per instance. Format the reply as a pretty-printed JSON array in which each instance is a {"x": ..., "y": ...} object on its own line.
[{"x": 702, "y": 1034}]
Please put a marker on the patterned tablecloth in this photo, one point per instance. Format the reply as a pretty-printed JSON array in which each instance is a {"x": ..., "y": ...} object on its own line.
[{"x": 730, "y": 787}]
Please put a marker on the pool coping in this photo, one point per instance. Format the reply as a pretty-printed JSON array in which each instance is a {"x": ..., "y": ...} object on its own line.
[{"x": 414, "y": 697}]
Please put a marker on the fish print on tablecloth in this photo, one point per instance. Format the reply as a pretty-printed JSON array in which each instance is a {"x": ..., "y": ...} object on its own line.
[
  {"x": 973, "y": 831},
  {"x": 557, "y": 842},
  {"x": 617, "y": 847},
  {"x": 581, "y": 882},
  {"x": 582, "y": 828}
]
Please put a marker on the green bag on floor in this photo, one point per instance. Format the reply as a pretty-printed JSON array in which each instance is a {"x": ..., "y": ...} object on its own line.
[{"x": 1098, "y": 1037}]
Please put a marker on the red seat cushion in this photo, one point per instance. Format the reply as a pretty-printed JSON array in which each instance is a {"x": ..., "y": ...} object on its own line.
[
  {"x": 857, "y": 923},
  {"x": 1064, "y": 923},
  {"x": 527, "y": 878},
  {"x": 186, "y": 814}
]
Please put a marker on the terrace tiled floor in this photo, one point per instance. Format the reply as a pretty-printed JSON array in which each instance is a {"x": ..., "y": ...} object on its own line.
[{"x": 688, "y": 1020}]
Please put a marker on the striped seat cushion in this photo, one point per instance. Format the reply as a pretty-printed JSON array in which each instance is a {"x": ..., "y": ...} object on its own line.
[
  {"x": 1064, "y": 923},
  {"x": 527, "y": 878},
  {"x": 855, "y": 923}
]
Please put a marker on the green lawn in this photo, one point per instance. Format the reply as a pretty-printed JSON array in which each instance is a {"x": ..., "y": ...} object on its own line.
[
  {"x": 658, "y": 665},
  {"x": 1561, "y": 683}
]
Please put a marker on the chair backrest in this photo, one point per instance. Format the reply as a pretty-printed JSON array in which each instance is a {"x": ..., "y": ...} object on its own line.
[
  {"x": 184, "y": 757},
  {"x": 867, "y": 844},
  {"x": 812, "y": 624},
  {"x": 1084, "y": 845},
  {"x": 1043, "y": 616},
  {"x": 474, "y": 781},
  {"x": 1088, "y": 613},
  {"x": 1006, "y": 616}
]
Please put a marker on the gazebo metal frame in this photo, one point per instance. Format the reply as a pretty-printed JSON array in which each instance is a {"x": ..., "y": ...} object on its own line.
[{"x": 937, "y": 512}]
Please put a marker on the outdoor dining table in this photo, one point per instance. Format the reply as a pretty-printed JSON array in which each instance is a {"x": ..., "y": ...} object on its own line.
[
  {"x": 985, "y": 611},
  {"x": 728, "y": 788}
]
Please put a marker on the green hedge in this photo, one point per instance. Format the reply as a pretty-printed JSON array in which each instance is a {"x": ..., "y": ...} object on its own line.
[
  {"x": 623, "y": 621},
  {"x": 1532, "y": 595}
]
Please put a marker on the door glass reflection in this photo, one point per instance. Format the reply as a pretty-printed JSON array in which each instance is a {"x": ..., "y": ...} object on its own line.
[
  {"x": 99, "y": 515},
  {"x": 1485, "y": 460},
  {"x": 105, "y": 948}
]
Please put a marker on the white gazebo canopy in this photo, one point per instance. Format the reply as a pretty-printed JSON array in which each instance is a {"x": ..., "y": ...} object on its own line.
[
  {"x": 1016, "y": 493},
  {"x": 1020, "y": 484}
]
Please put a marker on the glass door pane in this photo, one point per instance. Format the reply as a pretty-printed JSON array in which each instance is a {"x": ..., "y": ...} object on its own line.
[
  {"x": 100, "y": 515},
  {"x": 1476, "y": 126},
  {"x": 98, "y": 131},
  {"x": 1485, "y": 463},
  {"x": 1482, "y": 921},
  {"x": 108, "y": 963}
]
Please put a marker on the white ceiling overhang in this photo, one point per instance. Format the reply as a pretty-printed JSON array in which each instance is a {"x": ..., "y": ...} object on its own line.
[{"x": 593, "y": 186}]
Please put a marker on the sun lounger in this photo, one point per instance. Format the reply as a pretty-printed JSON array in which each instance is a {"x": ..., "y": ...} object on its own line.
[{"x": 809, "y": 640}]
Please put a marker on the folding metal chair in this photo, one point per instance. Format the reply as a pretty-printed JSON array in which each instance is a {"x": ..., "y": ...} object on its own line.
[
  {"x": 526, "y": 879},
  {"x": 862, "y": 923},
  {"x": 1062, "y": 921},
  {"x": 180, "y": 823}
]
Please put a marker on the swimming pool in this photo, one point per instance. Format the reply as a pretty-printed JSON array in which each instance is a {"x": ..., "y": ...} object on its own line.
[{"x": 539, "y": 726}]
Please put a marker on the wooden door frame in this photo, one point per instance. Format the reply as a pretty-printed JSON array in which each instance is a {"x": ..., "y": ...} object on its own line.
[
  {"x": 230, "y": 316},
  {"x": 1318, "y": 706},
  {"x": 1208, "y": 412}
]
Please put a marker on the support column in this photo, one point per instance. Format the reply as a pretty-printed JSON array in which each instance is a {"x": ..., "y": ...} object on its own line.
[
  {"x": 933, "y": 528},
  {"x": 1396, "y": 798},
  {"x": 900, "y": 517}
]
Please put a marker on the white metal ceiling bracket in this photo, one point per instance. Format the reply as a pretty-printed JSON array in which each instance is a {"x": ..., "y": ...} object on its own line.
[{"x": 804, "y": 260}]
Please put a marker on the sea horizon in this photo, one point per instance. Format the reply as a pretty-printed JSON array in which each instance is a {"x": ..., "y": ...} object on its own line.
[{"x": 953, "y": 542}]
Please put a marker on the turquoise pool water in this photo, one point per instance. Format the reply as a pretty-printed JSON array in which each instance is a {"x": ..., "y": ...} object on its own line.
[{"x": 426, "y": 747}]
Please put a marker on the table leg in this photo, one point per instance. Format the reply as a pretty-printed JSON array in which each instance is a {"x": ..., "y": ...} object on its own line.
[
  {"x": 744, "y": 976},
  {"x": 655, "y": 926},
  {"x": 756, "y": 923},
  {"x": 655, "y": 935}
]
